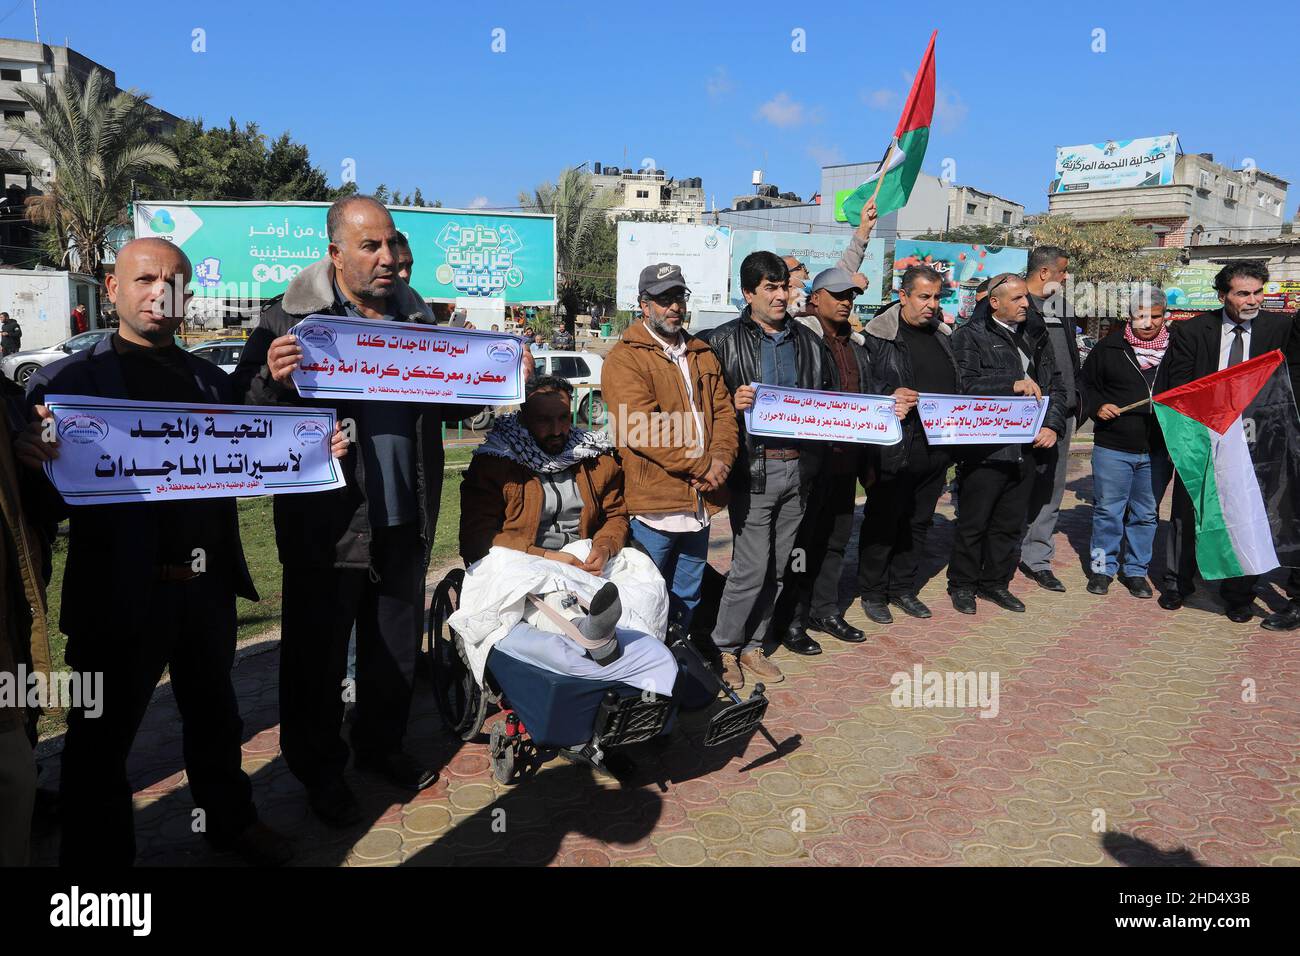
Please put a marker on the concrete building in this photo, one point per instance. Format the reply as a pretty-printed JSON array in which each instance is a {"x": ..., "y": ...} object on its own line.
[
  {"x": 1281, "y": 254},
  {"x": 28, "y": 65},
  {"x": 766, "y": 196},
  {"x": 968, "y": 206},
  {"x": 1207, "y": 204},
  {"x": 649, "y": 191}
]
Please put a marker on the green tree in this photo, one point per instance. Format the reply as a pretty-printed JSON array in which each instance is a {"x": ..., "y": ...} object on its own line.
[
  {"x": 98, "y": 140},
  {"x": 579, "y": 214},
  {"x": 1104, "y": 256},
  {"x": 978, "y": 235}
]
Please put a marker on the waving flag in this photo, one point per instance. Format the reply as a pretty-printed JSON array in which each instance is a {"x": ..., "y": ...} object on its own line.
[
  {"x": 1234, "y": 437},
  {"x": 902, "y": 160}
]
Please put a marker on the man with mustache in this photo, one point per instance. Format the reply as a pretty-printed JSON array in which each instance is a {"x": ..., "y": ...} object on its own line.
[
  {"x": 910, "y": 351},
  {"x": 1206, "y": 343},
  {"x": 356, "y": 555},
  {"x": 772, "y": 477}
]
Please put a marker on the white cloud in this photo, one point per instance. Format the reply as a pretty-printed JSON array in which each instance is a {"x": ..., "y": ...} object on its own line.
[
  {"x": 478, "y": 202},
  {"x": 825, "y": 155},
  {"x": 783, "y": 111},
  {"x": 718, "y": 83},
  {"x": 880, "y": 99},
  {"x": 949, "y": 110}
]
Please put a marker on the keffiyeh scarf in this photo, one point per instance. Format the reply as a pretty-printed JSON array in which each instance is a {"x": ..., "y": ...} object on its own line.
[
  {"x": 510, "y": 438},
  {"x": 1148, "y": 353}
]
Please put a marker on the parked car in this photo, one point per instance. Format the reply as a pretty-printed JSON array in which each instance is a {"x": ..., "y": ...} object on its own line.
[
  {"x": 581, "y": 369},
  {"x": 223, "y": 353},
  {"x": 21, "y": 365}
]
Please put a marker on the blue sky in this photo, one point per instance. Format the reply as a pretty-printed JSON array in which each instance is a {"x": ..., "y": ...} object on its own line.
[{"x": 414, "y": 93}]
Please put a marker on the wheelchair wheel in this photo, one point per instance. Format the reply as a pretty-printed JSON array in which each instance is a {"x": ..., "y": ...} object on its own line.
[{"x": 460, "y": 699}]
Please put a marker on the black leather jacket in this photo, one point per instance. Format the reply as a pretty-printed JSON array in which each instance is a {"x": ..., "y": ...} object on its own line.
[
  {"x": 988, "y": 363},
  {"x": 737, "y": 344}
]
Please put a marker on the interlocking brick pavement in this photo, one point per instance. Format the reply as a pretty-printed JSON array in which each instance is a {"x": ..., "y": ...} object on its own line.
[{"x": 1124, "y": 734}]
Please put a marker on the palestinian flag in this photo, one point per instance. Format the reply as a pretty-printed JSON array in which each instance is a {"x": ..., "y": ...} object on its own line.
[
  {"x": 1234, "y": 437},
  {"x": 902, "y": 160}
]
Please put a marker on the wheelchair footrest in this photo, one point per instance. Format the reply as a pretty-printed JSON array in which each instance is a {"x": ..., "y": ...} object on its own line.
[
  {"x": 630, "y": 720},
  {"x": 736, "y": 720}
]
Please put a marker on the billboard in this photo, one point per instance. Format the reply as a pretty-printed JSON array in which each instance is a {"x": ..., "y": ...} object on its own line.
[
  {"x": 1118, "y": 164},
  {"x": 1191, "y": 288},
  {"x": 1282, "y": 296},
  {"x": 817, "y": 252},
  {"x": 963, "y": 267},
  {"x": 253, "y": 250},
  {"x": 702, "y": 252}
]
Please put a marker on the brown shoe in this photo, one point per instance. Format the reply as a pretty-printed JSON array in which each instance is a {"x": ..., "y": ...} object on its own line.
[
  {"x": 731, "y": 673},
  {"x": 761, "y": 667}
]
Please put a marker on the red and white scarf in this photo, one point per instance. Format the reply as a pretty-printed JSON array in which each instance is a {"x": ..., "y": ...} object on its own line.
[{"x": 1148, "y": 353}]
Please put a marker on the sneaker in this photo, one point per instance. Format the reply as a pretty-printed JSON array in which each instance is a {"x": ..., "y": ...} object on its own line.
[{"x": 760, "y": 667}]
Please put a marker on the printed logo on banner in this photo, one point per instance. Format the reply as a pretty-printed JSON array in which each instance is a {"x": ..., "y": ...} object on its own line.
[
  {"x": 320, "y": 336},
  {"x": 309, "y": 432},
  {"x": 83, "y": 429},
  {"x": 1029, "y": 417},
  {"x": 767, "y": 398},
  {"x": 162, "y": 221},
  {"x": 883, "y": 407},
  {"x": 711, "y": 241},
  {"x": 501, "y": 352},
  {"x": 929, "y": 406}
]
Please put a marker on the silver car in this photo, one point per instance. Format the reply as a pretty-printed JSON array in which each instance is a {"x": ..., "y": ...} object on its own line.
[{"x": 21, "y": 365}]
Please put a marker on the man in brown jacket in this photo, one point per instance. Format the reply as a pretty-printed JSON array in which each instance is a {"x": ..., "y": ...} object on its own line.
[
  {"x": 676, "y": 429},
  {"x": 537, "y": 484}
]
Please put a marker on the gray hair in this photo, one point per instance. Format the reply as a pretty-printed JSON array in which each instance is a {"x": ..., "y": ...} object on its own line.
[{"x": 1145, "y": 296}]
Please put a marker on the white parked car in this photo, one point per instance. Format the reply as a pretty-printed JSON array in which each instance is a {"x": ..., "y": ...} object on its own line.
[{"x": 223, "y": 353}]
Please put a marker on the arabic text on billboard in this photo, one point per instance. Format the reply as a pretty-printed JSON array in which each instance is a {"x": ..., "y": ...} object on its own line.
[
  {"x": 253, "y": 250},
  {"x": 1118, "y": 164},
  {"x": 702, "y": 252},
  {"x": 963, "y": 267}
]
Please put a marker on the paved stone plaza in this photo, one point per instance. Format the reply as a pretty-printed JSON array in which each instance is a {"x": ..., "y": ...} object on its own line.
[{"x": 1121, "y": 737}]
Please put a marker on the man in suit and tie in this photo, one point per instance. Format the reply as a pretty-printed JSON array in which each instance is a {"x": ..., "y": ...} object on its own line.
[{"x": 1207, "y": 343}]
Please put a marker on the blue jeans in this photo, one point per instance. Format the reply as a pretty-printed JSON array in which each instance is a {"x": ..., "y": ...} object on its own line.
[
  {"x": 1125, "y": 510},
  {"x": 680, "y": 558}
]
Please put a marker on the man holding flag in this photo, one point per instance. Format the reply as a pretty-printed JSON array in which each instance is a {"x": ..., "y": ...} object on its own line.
[{"x": 1204, "y": 413}]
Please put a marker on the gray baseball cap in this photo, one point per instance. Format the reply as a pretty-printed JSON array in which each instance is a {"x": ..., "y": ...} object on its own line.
[
  {"x": 660, "y": 277},
  {"x": 834, "y": 280}
]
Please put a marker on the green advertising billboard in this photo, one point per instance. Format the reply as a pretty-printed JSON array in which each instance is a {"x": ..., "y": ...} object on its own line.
[{"x": 250, "y": 251}]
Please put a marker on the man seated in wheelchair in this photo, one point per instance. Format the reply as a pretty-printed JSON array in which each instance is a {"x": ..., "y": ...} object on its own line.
[{"x": 542, "y": 530}]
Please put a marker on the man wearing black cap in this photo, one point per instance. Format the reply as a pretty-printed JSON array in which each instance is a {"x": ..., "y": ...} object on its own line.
[
  {"x": 811, "y": 599},
  {"x": 675, "y": 429}
]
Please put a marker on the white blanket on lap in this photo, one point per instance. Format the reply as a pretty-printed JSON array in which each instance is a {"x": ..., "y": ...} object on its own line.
[{"x": 496, "y": 591}]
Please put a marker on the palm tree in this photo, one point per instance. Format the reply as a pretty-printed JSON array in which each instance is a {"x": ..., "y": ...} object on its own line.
[
  {"x": 98, "y": 140},
  {"x": 578, "y": 212}
]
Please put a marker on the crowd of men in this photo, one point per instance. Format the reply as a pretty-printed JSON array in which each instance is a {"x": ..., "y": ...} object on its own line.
[{"x": 355, "y": 559}]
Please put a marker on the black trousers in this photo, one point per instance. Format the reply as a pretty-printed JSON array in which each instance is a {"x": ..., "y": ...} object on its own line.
[
  {"x": 191, "y": 631},
  {"x": 813, "y": 573},
  {"x": 321, "y": 605},
  {"x": 1180, "y": 555},
  {"x": 990, "y": 522},
  {"x": 896, "y": 525}
]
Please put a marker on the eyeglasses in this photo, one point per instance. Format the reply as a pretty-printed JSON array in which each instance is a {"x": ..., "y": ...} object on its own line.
[{"x": 666, "y": 299}]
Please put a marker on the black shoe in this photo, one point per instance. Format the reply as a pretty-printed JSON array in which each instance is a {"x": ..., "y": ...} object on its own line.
[
  {"x": 259, "y": 845},
  {"x": 400, "y": 768},
  {"x": 839, "y": 628},
  {"x": 1002, "y": 598},
  {"x": 911, "y": 605},
  {"x": 1138, "y": 587},
  {"x": 1240, "y": 613},
  {"x": 1044, "y": 579},
  {"x": 335, "y": 803},
  {"x": 1099, "y": 583},
  {"x": 797, "y": 640},
  {"x": 1287, "y": 619},
  {"x": 963, "y": 599},
  {"x": 877, "y": 611},
  {"x": 1170, "y": 600}
]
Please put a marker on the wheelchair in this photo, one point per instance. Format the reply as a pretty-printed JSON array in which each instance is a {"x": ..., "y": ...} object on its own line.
[{"x": 585, "y": 719}]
